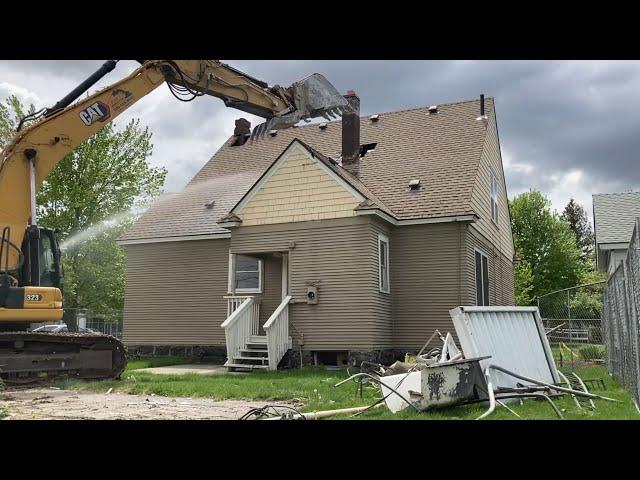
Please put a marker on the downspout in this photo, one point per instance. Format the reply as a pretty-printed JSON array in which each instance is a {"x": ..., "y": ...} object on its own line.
[{"x": 460, "y": 227}]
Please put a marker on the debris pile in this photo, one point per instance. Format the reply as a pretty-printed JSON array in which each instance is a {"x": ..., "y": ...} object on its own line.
[{"x": 504, "y": 357}]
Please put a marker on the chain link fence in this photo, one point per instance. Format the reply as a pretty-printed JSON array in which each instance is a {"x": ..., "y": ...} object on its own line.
[
  {"x": 621, "y": 317},
  {"x": 572, "y": 318},
  {"x": 86, "y": 320}
]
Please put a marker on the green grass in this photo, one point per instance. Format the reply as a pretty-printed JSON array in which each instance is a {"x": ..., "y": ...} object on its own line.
[{"x": 314, "y": 388}]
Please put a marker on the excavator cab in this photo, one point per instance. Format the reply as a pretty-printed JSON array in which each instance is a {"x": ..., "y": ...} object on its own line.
[
  {"x": 34, "y": 286},
  {"x": 42, "y": 266}
]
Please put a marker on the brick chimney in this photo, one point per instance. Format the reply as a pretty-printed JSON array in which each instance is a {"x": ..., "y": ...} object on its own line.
[
  {"x": 351, "y": 135},
  {"x": 242, "y": 131}
]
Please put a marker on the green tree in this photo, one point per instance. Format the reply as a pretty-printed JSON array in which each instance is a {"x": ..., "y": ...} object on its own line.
[
  {"x": 524, "y": 283},
  {"x": 579, "y": 224},
  {"x": 11, "y": 111},
  {"x": 545, "y": 242},
  {"x": 106, "y": 175}
]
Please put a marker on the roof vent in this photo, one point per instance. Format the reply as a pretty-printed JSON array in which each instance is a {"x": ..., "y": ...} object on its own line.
[
  {"x": 374, "y": 118},
  {"x": 433, "y": 109},
  {"x": 273, "y": 133},
  {"x": 414, "y": 184},
  {"x": 210, "y": 205},
  {"x": 322, "y": 126}
]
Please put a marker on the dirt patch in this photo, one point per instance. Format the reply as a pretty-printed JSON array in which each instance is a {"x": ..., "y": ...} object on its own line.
[{"x": 52, "y": 404}]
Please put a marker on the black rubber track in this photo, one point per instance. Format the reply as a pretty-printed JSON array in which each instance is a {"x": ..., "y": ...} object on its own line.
[{"x": 86, "y": 340}]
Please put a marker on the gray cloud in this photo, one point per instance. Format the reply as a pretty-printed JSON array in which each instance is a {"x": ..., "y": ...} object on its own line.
[{"x": 568, "y": 128}]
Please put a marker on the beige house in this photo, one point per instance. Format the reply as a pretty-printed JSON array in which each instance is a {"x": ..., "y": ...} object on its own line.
[
  {"x": 614, "y": 216},
  {"x": 343, "y": 240}
]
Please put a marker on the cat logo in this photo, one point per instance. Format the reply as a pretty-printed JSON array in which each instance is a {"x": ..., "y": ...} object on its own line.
[{"x": 98, "y": 111}]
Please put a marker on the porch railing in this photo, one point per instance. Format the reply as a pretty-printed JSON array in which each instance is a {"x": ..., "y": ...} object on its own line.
[
  {"x": 239, "y": 327},
  {"x": 277, "y": 329},
  {"x": 234, "y": 301}
]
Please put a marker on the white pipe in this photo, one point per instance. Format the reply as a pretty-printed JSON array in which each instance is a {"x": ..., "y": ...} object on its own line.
[
  {"x": 492, "y": 398},
  {"x": 324, "y": 413}
]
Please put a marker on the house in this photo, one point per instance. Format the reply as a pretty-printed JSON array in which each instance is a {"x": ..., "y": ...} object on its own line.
[
  {"x": 337, "y": 241},
  {"x": 614, "y": 217}
]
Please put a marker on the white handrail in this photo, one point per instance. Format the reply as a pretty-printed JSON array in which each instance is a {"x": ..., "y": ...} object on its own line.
[
  {"x": 238, "y": 328},
  {"x": 235, "y": 301},
  {"x": 277, "y": 329},
  {"x": 231, "y": 319}
]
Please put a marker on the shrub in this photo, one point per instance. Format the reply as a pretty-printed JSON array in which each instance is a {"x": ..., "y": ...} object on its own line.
[{"x": 592, "y": 352}]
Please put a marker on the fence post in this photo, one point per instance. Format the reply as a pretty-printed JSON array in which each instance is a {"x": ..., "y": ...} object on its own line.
[{"x": 569, "y": 324}]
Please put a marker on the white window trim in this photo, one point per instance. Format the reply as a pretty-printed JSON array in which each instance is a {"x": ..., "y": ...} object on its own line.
[
  {"x": 492, "y": 181},
  {"x": 260, "y": 279},
  {"x": 384, "y": 239},
  {"x": 475, "y": 277}
]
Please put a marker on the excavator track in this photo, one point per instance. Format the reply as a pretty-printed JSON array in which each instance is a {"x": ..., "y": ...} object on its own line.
[{"x": 28, "y": 357}]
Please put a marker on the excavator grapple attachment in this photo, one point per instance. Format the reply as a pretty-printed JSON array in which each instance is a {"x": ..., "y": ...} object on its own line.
[{"x": 312, "y": 97}]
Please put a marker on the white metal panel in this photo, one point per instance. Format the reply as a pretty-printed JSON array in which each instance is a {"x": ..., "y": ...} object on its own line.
[{"x": 513, "y": 336}]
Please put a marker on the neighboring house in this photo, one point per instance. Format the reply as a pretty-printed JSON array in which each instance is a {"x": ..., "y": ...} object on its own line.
[
  {"x": 350, "y": 239},
  {"x": 614, "y": 217}
]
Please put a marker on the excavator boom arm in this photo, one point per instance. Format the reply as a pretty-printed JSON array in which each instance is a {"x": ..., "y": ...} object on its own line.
[{"x": 27, "y": 160}]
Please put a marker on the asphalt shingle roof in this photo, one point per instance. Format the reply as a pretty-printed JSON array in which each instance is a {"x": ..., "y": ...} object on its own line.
[
  {"x": 443, "y": 150},
  {"x": 614, "y": 216}
]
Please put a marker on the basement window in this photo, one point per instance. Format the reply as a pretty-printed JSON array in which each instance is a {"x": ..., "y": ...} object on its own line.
[
  {"x": 482, "y": 278},
  {"x": 332, "y": 359},
  {"x": 367, "y": 147},
  {"x": 248, "y": 274}
]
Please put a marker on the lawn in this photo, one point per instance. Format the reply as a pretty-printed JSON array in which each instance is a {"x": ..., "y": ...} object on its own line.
[{"x": 313, "y": 386}]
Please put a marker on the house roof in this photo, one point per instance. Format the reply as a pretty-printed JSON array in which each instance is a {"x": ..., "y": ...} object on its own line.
[
  {"x": 442, "y": 149},
  {"x": 614, "y": 216},
  {"x": 370, "y": 201}
]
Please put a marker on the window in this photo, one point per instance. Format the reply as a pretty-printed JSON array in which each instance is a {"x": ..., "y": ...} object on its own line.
[
  {"x": 383, "y": 263},
  {"x": 248, "y": 274},
  {"x": 482, "y": 279},
  {"x": 494, "y": 198}
]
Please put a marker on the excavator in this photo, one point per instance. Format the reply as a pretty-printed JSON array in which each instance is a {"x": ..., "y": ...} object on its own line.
[{"x": 30, "y": 258}]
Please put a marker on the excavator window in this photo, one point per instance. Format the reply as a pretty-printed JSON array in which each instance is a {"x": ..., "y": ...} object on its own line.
[{"x": 47, "y": 262}]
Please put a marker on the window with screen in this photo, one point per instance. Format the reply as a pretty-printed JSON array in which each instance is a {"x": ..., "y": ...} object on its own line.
[
  {"x": 494, "y": 198},
  {"x": 482, "y": 279},
  {"x": 383, "y": 263},
  {"x": 248, "y": 274}
]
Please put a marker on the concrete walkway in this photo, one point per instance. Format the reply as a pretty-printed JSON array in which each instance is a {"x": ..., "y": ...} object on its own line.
[{"x": 199, "y": 369}]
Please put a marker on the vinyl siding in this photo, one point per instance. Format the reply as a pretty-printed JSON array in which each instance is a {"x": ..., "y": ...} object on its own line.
[
  {"x": 341, "y": 256},
  {"x": 425, "y": 280},
  {"x": 298, "y": 190},
  {"x": 174, "y": 293},
  {"x": 491, "y": 161},
  {"x": 501, "y": 273}
]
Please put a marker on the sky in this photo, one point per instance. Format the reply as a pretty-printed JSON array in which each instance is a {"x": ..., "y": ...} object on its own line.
[{"x": 567, "y": 128}]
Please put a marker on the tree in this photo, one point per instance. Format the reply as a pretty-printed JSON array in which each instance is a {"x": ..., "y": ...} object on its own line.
[
  {"x": 11, "y": 111},
  {"x": 524, "y": 283},
  {"x": 106, "y": 175},
  {"x": 579, "y": 224},
  {"x": 547, "y": 245}
]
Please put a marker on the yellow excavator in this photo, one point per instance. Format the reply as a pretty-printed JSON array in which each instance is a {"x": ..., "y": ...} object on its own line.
[{"x": 30, "y": 265}]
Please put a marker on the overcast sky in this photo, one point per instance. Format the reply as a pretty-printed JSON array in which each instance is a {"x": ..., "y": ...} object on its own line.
[{"x": 567, "y": 128}]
